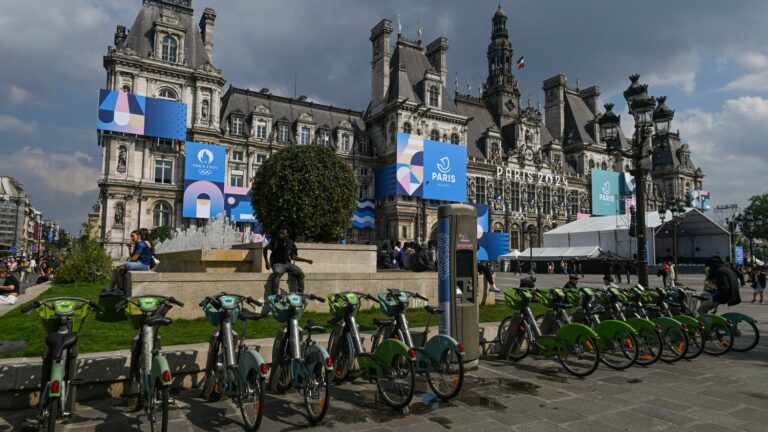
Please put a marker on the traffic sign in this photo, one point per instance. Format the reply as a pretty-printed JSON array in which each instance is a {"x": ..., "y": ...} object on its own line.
[{"x": 12, "y": 250}]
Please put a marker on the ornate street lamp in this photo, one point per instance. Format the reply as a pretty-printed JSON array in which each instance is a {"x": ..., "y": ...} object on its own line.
[
  {"x": 752, "y": 223},
  {"x": 641, "y": 106},
  {"x": 678, "y": 213}
]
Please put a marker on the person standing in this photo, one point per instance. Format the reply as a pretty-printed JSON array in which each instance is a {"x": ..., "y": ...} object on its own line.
[
  {"x": 671, "y": 276},
  {"x": 23, "y": 270},
  {"x": 9, "y": 290},
  {"x": 519, "y": 269},
  {"x": 760, "y": 283},
  {"x": 563, "y": 267},
  {"x": 630, "y": 268},
  {"x": 32, "y": 265},
  {"x": 573, "y": 280},
  {"x": 578, "y": 269},
  {"x": 619, "y": 269}
]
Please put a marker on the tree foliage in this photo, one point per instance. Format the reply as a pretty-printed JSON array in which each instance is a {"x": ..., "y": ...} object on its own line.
[
  {"x": 88, "y": 263},
  {"x": 160, "y": 234},
  {"x": 309, "y": 188},
  {"x": 758, "y": 206}
]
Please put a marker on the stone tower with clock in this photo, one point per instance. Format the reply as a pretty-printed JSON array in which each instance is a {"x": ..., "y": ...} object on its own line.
[{"x": 501, "y": 94}]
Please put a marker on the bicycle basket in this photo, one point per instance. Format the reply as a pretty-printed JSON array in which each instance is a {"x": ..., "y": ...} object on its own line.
[
  {"x": 216, "y": 316},
  {"x": 544, "y": 298},
  {"x": 675, "y": 297},
  {"x": 50, "y": 318},
  {"x": 389, "y": 305},
  {"x": 281, "y": 312},
  {"x": 514, "y": 298},
  {"x": 338, "y": 305}
]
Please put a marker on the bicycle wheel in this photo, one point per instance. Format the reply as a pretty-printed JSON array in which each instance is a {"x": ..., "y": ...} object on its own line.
[
  {"x": 158, "y": 408},
  {"x": 745, "y": 336},
  {"x": 582, "y": 358},
  {"x": 718, "y": 339},
  {"x": 521, "y": 346},
  {"x": 51, "y": 413},
  {"x": 448, "y": 377},
  {"x": 675, "y": 342},
  {"x": 620, "y": 352},
  {"x": 650, "y": 346},
  {"x": 398, "y": 383},
  {"x": 695, "y": 343},
  {"x": 317, "y": 393},
  {"x": 251, "y": 399},
  {"x": 213, "y": 384},
  {"x": 344, "y": 361}
]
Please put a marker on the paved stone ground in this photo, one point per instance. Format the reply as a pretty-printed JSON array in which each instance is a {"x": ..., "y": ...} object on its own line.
[{"x": 707, "y": 394}]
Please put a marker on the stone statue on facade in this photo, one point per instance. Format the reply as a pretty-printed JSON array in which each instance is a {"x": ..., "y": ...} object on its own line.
[
  {"x": 121, "y": 160},
  {"x": 119, "y": 214}
]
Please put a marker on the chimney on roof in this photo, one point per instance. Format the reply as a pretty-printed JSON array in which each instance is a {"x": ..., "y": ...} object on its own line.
[
  {"x": 120, "y": 35},
  {"x": 554, "y": 106},
  {"x": 436, "y": 53},
  {"x": 206, "y": 30},
  {"x": 591, "y": 97},
  {"x": 380, "y": 34}
]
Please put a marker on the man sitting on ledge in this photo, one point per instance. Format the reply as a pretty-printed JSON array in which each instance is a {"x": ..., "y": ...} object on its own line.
[{"x": 283, "y": 252}]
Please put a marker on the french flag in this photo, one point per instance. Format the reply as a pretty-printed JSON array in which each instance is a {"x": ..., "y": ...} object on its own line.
[{"x": 521, "y": 63}]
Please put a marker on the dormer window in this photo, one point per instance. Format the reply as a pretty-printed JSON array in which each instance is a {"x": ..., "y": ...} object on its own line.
[
  {"x": 282, "y": 133},
  {"x": 170, "y": 48},
  {"x": 434, "y": 96},
  {"x": 304, "y": 136},
  {"x": 434, "y": 135},
  {"x": 167, "y": 93},
  {"x": 237, "y": 126},
  {"x": 325, "y": 138},
  {"x": 261, "y": 129},
  {"x": 345, "y": 142},
  {"x": 407, "y": 128}
]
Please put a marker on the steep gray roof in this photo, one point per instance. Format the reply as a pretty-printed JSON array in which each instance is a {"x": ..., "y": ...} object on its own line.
[
  {"x": 481, "y": 121},
  {"x": 578, "y": 121},
  {"x": 141, "y": 35},
  {"x": 408, "y": 83},
  {"x": 288, "y": 110}
]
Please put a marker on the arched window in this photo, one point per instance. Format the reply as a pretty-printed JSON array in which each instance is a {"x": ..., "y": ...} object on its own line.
[
  {"x": 126, "y": 88},
  {"x": 434, "y": 96},
  {"x": 167, "y": 93},
  {"x": 434, "y": 135},
  {"x": 591, "y": 164},
  {"x": 161, "y": 214},
  {"x": 454, "y": 138},
  {"x": 604, "y": 166},
  {"x": 407, "y": 128},
  {"x": 170, "y": 47}
]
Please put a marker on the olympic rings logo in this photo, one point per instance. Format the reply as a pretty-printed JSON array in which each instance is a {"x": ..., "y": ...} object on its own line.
[{"x": 204, "y": 172}]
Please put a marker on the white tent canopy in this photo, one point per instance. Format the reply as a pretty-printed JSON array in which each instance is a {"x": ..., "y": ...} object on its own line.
[
  {"x": 698, "y": 236},
  {"x": 558, "y": 253}
]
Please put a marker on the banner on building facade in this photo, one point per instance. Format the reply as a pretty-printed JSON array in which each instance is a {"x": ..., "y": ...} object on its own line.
[
  {"x": 490, "y": 245},
  {"x": 699, "y": 199},
  {"x": 204, "y": 175},
  {"x": 607, "y": 193},
  {"x": 738, "y": 255},
  {"x": 425, "y": 168},
  {"x": 364, "y": 216},
  {"x": 237, "y": 204},
  {"x": 141, "y": 115}
]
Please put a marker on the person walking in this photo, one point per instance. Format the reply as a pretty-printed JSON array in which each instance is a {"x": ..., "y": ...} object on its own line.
[
  {"x": 759, "y": 284},
  {"x": 619, "y": 270},
  {"x": 630, "y": 268},
  {"x": 519, "y": 269},
  {"x": 671, "y": 276}
]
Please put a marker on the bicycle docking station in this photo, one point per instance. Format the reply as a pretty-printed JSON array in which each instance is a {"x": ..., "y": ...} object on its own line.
[{"x": 457, "y": 277}]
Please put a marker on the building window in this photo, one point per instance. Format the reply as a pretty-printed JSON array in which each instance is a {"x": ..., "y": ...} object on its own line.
[
  {"x": 407, "y": 128},
  {"x": 236, "y": 180},
  {"x": 126, "y": 89},
  {"x": 404, "y": 232},
  {"x": 161, "y": 214},
  {"x": 547, "y": 207},
  {"x": 261, "y": 129},
  {"x": 362, "y": 192},
  {"x": 325, "y": 138},
  {"x": 345, "y": 142},
  {"x": 163, "y": 171},
  {"x": 260, "y": 158},
  {"x": 480, "y": 197},
  {"x": 514, "y": 239},
  {"x": 434, "y": 135},
  {"x": 170, "y": 46},
  {"x": 237, "y": 156},
  {"x": 362, "y": 146},
  {"x": 167, "y": 93},
  {"x": 237, "y": 126},
  {"x": 454, "y": 138},
  {"x": 515, "y": 205},
  {"x": 364, "y": 171},
  {"x": 304, "y": 138},
  {"x": 434, "y": 96},
  {"x": 164, "y": 145},
  {"x": 282, "y": 133}
]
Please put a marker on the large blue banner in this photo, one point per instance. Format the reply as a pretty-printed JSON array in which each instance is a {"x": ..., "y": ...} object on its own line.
[
  {"x": 607, "y": 193},
  {"x": 489, "y": 244},
  {"x": 140, "y": 115},
  {"x": 204, "y": 176},
  {"x": 365, "y": 214}
]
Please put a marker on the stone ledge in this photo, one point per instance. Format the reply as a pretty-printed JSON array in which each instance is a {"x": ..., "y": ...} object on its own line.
[{"x": 104, "y": 374}]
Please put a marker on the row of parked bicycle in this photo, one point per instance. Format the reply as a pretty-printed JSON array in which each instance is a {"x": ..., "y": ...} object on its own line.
[
  {"x": 239, "y": 372},
  {"x": 582, "y": 327}
]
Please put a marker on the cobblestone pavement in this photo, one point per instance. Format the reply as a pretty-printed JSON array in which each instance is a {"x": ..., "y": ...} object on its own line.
[{"x": 707, "y": 394}]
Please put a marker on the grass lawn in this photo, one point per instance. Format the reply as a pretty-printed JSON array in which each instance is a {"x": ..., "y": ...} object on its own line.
[{"x": 100, "y": 335}]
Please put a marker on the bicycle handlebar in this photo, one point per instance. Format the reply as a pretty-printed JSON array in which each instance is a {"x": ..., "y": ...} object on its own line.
[{"x": 30, "y": 307}]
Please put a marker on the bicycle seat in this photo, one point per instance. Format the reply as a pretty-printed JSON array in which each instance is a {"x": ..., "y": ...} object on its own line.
[
  {"x": 562, "y": 305},
  {"x": 383, "y": 322},
  {"x": 58, "y": 342},
  {"x": 249, "y": 315},
  {"x": 157, "y": 320},
  {"x": 433, "y": 310},
  {"x": 313, "y": 327}
]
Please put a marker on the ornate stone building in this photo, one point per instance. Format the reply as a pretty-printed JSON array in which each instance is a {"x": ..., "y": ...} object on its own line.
[{"x": 530, "y": 167}]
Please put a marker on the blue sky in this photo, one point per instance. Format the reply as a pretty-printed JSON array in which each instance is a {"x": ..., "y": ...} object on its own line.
[{"x": 708, "y": 57}]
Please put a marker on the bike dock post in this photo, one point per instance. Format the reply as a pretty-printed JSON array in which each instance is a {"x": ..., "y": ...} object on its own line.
[{"x": 457, "y": 277}]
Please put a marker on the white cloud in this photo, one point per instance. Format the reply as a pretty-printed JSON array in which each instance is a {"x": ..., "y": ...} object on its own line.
[
  {"x": 12, "y": 124},
  {"x": 757, "y": 81},
  {"x": 728, "y": 146},
  {"x": 752, "y": 60},
  {"x": 69, "y": 174},
  {"x": 17, "y": 95}
]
